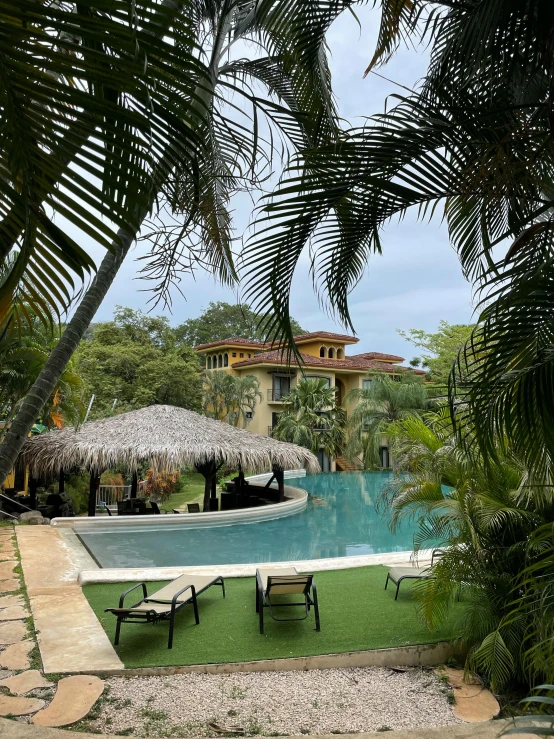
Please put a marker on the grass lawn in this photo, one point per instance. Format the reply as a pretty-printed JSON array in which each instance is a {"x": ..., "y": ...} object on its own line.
[
  {"x": 356, "y": 613},
  {"x": 193, "y": 492}
]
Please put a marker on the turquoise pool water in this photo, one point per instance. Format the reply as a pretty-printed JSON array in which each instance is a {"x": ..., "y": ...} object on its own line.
[{"x": 341, "y": 521}]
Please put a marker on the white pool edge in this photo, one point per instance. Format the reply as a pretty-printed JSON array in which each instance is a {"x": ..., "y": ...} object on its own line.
[
  {"x": 298, "y": 500},
  {"x": 150, "y": 574}
]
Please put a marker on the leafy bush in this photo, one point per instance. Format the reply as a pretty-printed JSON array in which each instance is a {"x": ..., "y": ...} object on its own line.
[
  {"x": 497, "y": 533},
  {"x": 162, "y": 485}
]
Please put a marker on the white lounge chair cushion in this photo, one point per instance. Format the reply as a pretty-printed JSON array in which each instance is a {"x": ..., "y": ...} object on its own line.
[
  {"x": 396, "y": 573},
  {"x": 290, "y": 581}
]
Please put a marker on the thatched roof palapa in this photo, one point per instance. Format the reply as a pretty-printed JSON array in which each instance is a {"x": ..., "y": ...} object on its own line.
[{"x": 166, "y": 438}]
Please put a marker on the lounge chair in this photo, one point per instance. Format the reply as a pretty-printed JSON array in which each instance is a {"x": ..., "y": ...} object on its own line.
[
  {"x": 272, "y": 582},
  {"x": 193, "y": 507},
  {"x": 397, "y": 574},
  {"x": 164, "y": 603}
]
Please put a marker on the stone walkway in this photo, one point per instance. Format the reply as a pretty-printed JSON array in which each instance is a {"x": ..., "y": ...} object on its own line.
[
  {"x": 70, "y": 636},
  {"x": 24, "y": 690}
]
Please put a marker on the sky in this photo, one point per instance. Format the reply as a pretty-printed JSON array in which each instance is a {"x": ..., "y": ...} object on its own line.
[{"x": 414, "y": 284}]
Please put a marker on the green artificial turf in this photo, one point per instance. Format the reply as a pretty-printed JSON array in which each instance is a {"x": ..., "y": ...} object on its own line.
[{"x": 356, "y": 613}]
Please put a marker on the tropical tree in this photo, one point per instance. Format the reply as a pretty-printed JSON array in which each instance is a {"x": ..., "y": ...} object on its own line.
[
  {"x": 229, "y": 398},
  {"x": 440, "y": 349},
  {"x": 374, "y": 408},
  {"x": 21, "y": 361},
  {"x": 494, "y": 530},
  {"x": 474, "y": 143},
  {"x": 134, "y": 361},
  {"x": 222, "y": 320},
  {"x": 215, "y": 147},
  {"x": 311, "y": 418}
]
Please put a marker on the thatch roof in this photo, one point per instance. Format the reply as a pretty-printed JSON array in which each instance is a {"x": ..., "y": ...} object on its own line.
[{"x": 166, "y": 438}]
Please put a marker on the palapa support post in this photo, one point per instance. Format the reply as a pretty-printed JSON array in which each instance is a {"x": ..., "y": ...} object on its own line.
[
  {"x": 33, "y": 485},
  {"x": 280, "y": 478},
  {"x": 93, "y": 489},
  {"x": 61, "y": 481},
  {"x": 242, "y": 486},
  {"x": 208, "y": 470},
  {"x": 134, "y": 485}
]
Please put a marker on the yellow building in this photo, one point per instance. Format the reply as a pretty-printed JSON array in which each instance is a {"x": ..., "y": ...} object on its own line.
[{"x": 324, "y": 356}]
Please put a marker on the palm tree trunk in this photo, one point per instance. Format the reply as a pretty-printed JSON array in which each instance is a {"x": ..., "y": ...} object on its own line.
[{"x": 49, "y": 377}]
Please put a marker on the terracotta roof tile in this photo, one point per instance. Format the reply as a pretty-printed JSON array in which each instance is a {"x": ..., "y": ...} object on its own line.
[
  {"x": 232, "y": 340},
  {"x": 379, "y": 355},
  {"x": 276, "y": 356},
  {"x": 326, "y": 335}
]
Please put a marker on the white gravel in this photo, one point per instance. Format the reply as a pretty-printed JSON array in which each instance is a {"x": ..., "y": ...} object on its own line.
[{"x": 274, "y": 703}]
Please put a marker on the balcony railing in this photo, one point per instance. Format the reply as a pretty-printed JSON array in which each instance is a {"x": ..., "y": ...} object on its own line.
[{"x": 277, "y": 396}]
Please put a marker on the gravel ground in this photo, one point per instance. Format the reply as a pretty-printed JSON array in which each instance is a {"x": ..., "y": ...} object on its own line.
[{"x": 273, "y": 703}]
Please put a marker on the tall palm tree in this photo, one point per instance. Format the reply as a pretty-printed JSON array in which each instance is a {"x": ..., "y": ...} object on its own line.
[
  {"x": 247, "y": 396},
  {"x": 475, "y": 142},
  {"x": 229, "y": 398},
  {"x": 493, "y": 532},
  {"x": 375, "y": 407},
  {"x": 197, "y": 173},
  {"x": 311, "y": 418},
  {"x": 89, "y": 95}
]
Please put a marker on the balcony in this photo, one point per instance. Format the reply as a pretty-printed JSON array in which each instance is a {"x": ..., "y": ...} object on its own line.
[{"x": 277, "y": 396}]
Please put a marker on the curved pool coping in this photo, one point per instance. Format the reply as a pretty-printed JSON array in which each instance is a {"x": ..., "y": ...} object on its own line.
[
  {"x": 152, "y": 574},
  {"x": 297, "y": 501}
]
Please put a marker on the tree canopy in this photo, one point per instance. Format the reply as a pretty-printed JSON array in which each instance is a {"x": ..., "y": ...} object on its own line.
[
  {"x": 221, "y": 320},
  {"x": 136, "y": 360},
  {"x": 440, "y": 349}
]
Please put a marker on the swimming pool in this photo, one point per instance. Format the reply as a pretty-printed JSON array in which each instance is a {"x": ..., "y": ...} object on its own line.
[{"x": 340, "y": 520}]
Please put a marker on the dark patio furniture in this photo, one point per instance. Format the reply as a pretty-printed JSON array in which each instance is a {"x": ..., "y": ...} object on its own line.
[
  {"x": 397, "y": 574},
  {"x": 272, "y": 584},
  {"x": 164, "y": 603},
  {"x": 193, "y": 507}
]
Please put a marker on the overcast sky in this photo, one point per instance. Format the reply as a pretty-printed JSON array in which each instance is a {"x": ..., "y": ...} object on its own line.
[{"x": 416, "y": 282}]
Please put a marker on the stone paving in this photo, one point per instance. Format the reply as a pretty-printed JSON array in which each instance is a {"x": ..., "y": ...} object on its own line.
[{"x": 74, "y": 696}]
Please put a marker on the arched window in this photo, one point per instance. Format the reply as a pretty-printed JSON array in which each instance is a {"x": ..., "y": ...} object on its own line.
[
  {"x": 225, "y": 360},
  {"x": 209, "y": 363},
  {"x": 340, "y": 354},
  {"x": 220, "y": 361},
  {"x": 322, "y": 351},
  {"x": 331, "y": 353}
]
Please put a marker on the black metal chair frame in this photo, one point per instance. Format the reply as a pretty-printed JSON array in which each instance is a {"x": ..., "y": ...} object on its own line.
[
  {"x": 263, "y": 598},
  {"x": 403, "y": 577},
  {"x": 153, "y": 616}
]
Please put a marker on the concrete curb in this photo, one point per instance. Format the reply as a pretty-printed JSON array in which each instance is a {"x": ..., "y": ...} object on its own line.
[
  {"x": 486, "y": 730},
  {"x": 418, "y": 655}
]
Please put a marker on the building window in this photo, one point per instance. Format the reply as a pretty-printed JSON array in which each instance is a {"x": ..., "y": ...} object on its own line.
[
  {"x": 322, "y": 351},
  {"x": 225, "y": 360},
  {"x": 249, "y": 415},
  {"x": 249, "y": 356},
  {"x": 234, "y": 354},
  {"x": 220, "y": 361},
  {"x": 340, "y": 354},
  {"x": 209, "y": 363},
  {"x": 331, "y": 353},
  {"x": 366, "y": 384},
  {"x": 241, "y": 355},
  {"x": 281, "y": 387}
]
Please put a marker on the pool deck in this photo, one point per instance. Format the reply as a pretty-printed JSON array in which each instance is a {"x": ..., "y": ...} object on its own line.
[{"x": 71, "y": 638}]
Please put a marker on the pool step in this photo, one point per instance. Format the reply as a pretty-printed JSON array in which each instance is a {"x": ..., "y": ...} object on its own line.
[{"x": 344, "y": 465}]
